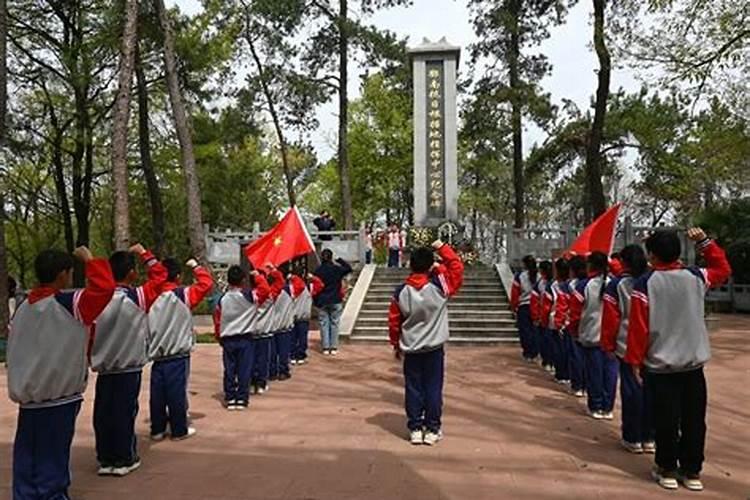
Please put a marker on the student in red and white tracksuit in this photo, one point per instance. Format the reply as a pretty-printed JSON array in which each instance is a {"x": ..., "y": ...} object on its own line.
[
  {"x": 303, "y": 293},
  {"x": 282, "y": 324},
  {"x": 48, "y": 383},
  {"x": 637, "y": 427},
  {"x": 520, "y": 301},
  {"x": 418, "y": 330},
  {"x": 557, "y": 297},
  {"x": 667, "y": 337},
  {"x": 172, "y": 340},
  {"x": 118, "y": 355},
  {"x": 235, "y": 319}
]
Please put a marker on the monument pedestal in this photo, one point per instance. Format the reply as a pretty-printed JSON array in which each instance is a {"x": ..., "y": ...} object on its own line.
[{"x": 435, "y": 132}]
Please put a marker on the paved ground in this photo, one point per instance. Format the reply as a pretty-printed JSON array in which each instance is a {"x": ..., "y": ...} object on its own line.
[{"x": 335, "y": 431}]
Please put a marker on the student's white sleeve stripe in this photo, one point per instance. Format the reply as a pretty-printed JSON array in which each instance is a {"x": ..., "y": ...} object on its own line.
[
  {"x": 610, "y": 299},
  {"x": 76, "y": 300},
  {"x": 578, "y": 295},
  {"x": 444, "y": 284},
  {"x": 186, "y": 291},
  {"x": 704, "y": 272},
  {"x": 640, "y": 296},
  {"x": 141, "y": 297}
]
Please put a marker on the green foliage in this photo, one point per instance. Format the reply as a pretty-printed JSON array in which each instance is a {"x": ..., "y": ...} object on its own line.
[{"x": 729, "y": 223}]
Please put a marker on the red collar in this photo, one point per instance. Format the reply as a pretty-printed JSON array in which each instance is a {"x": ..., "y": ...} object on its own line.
[
  {"x": 418, "y": 280},
  {"x": 41, "y": 292},
  {"x": 594, "y": 274}
]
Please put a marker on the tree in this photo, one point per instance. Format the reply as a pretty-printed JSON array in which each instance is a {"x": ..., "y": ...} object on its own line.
[
  {"x": 182, "y": 125},
  {"x": 327, "y": 57},
  {"x": 4, "y": 313},
  {"x": 506, "y": 30},
  {"x": 595, "y": 201},
  {"x": 120, "y": 118}
]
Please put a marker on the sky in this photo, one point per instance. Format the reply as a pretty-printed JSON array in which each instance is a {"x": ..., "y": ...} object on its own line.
[{"x": 568, "y": 49}]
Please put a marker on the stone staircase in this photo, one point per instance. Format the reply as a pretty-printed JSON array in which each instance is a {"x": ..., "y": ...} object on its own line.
[{"x": 478, "y": 314}]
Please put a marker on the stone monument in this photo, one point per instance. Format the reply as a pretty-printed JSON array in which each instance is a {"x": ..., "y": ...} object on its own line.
[{"x": 435, "y": 132}]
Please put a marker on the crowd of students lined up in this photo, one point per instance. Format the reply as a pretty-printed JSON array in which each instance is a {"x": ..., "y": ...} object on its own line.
[
  {"x": 115, "y": 328},
  {"x": 637, "y": 314}
]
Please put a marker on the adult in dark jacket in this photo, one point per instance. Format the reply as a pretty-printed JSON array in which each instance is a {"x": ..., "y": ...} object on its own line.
[
  {"x": 328, "y": 301},
  {"x": 325, "y": 223}
]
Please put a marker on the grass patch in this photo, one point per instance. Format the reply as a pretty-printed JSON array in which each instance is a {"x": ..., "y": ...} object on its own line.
[{"x": 205, "y": 338}]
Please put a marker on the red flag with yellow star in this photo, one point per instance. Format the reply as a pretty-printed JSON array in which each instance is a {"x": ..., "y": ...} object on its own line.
[{"x": 287, "y": 240}]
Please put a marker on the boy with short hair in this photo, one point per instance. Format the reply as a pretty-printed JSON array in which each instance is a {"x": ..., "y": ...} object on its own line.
[
  {"x": 118, "y": 354},
  {"x": 235, "y": 318},
  {"x": 48, "y": 382},
  {"x": 172, "y": 339},
  {"x": 303, "y": 293},
  {"x": 418, "y": 329},
  {"x": 667, "y": 335},
  {"x": 283, "y": 322}
]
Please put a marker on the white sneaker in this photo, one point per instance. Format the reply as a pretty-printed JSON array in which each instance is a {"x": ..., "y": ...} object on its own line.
[
  {"x": 326, "y": 352},
  {"x": 649, "y": 447},
  {"x": 666, "y": 480},
  {"x": 292, "y": 361},
  {"x": 431, "y": 438},
  {"x": 608, "y": 415},
  {"x": 105, "y": 471},
  {"x": 636, "y": 448},
  {"x": 190, "y": 433},
  {"x": 126, "y": 469},
  {"x": 579, "y": 393},
  {"x": 334, "y": 352},
  {"x": 158, "y": 437},
  {"x": 416, "y": 437},
  {"x": 264, "y": 389},
  {"x": 596, "y": 415},
  {"x": 230, "y": 405},
  {"x": 690, "y": 481},
  {"x": 301, "y": 361}
]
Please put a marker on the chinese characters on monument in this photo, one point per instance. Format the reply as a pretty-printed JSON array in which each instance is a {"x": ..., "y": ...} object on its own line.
[{"x": 435, "y": 139}]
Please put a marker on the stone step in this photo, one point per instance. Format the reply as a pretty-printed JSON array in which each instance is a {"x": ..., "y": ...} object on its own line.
[
  {"x": 454, "y": 305},
  {"x": 457, "y": 332},
  {"x": 454, "y": 313},
  {"x": 467, "y": 341},
  {"x": 490, "y": 287},
  {"x": 460, "y": 297}
]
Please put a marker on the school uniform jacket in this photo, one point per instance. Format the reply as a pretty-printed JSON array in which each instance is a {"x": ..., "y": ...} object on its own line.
[
  {"x": 558, "y": 296},
  {"x": 616, "y": 314},
  {"x": 49, "y": 337},
  {"x": 236, "y": 313},
  {"x": 418, "y": 315},
  {"x": 282, "y": 318},
  {"x": 586, "y": 310},
  {"x": 667, "y": 330},
  {"x": 121, "y": 333},
  {"x": 303, "y": 294},
  {"x": 171, "y": 318},
  {"x": 521, "y": 290},
  {"x": 536, "y": 301}
]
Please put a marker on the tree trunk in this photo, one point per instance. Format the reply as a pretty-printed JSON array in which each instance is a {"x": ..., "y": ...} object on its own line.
[
  {"x": 276, "y": 122},
  {"x": 120, "y": 119},
  {"x": 595, "y": 202},
  {"x": 4, "y": 313},
  {"x": 343, "y": 152},
  {"x": 182, "y": 124},
  {"x": 144, "y": 145},
  {"x": 515, "y": 119}
]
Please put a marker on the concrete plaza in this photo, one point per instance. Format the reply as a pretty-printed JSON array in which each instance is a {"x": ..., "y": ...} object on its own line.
[{"x": 336, "y": 431}]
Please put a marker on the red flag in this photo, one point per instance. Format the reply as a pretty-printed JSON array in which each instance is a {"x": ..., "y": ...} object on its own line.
[
  {"x": 287, "y": 240},
  {"x": 599, "y": 236}
]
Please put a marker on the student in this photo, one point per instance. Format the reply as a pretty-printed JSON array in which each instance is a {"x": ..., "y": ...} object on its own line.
[
  {"x": 586, "y": 310},
  {"x": 576, "y": 370},
  {"x": 302, "y": 294},
  {"x": 637, "y": 428},
  {"x": 329, "y": 300},
  {"x": 235, "y": 317},
  {"x": 667, "y": 336},
  {"x": 172, "y": 339},
  {"x": 283, "y": 322},
  {"x": 48, "y": 383},
  {"x": 540, "y": 308},
  {"x": 118, "y": 355},
  {"x": 418, "y": 328},
  {"x": 558, "y": 296},
  {"x": 262, "y": 338},
  {"x": 394, "y": 246},
  {"x": 520, "y": 302}
]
